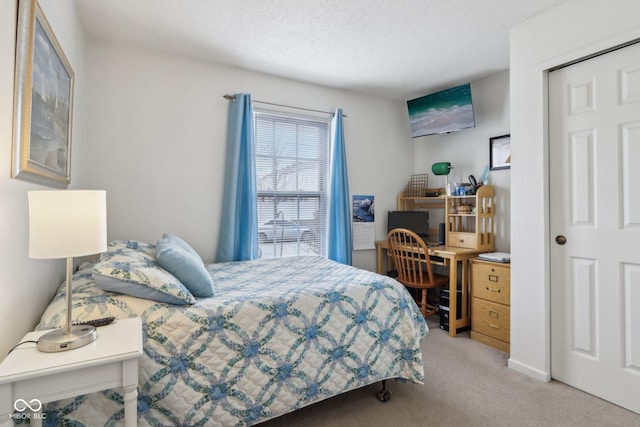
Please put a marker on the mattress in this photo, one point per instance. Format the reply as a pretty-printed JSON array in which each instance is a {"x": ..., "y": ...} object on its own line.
[{"x": 279, "y": 334}]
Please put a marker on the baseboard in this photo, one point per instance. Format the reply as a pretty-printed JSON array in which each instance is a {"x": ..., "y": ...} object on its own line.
[{"x": 529, "y": 371}]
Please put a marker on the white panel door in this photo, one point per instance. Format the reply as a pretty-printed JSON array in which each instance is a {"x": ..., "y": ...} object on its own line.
[{"x": 594, "y": 160}]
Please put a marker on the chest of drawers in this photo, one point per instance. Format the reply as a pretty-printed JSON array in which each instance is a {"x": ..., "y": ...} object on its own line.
[{"x": 490, "y": 303}]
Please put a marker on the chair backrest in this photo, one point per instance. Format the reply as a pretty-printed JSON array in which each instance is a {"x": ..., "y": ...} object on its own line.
[{"x": 410, "y": 255}]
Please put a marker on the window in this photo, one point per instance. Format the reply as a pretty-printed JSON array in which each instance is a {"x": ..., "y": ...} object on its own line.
[{"x": 291, "y": 168}]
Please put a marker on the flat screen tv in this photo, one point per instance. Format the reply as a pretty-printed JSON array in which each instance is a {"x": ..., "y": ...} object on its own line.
[
  {"x": 441, "y": 112},
  {"x": 416, "y": 221}
]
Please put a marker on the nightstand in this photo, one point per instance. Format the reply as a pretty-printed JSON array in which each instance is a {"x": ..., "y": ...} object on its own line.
[
  {"x": 490, "y": 303},
  {"x": 30, "y": 378}
]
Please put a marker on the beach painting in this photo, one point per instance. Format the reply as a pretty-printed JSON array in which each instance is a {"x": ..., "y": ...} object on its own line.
[{"x": 441, "y": 112}]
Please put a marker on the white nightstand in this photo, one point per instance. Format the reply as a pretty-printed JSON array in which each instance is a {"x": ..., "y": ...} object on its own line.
[{"x": 110, "y": 361}]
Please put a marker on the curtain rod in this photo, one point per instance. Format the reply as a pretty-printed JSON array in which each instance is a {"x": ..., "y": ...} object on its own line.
[{"x": 232, "y": 98}]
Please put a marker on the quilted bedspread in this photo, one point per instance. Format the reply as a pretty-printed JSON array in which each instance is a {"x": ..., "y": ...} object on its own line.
[{"x": 279, "y": 334}]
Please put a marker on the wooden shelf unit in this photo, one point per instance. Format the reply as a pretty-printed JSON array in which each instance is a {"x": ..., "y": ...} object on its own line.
[
  {"x": 471, "y": 229},
  {"x": 470, "y": 220}
]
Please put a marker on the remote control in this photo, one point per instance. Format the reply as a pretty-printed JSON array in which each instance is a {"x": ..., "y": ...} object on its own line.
[{"x": 97, "y": 322}]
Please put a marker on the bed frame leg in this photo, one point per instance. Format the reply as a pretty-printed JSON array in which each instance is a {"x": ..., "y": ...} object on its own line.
[{"x": 384, "y": 395}]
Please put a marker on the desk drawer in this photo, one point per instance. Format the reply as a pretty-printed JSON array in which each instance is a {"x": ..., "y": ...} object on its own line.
[
  {"x": 462, "y": 240},
  {"x": 491, "y": 319},
  {"x": 491, "y": 282}
]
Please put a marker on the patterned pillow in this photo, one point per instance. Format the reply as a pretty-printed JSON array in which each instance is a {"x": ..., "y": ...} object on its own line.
[
  {"x": 129, "y": 271},
  {"x": 136, "y": 245}
]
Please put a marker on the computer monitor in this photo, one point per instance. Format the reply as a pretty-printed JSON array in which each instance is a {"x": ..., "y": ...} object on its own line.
[{"x": 416, "y": 221}]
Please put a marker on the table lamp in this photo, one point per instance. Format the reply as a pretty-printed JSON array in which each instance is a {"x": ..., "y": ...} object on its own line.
[
  {"x": 67, "y": 224},
  {"x": 442, "y": 168}
]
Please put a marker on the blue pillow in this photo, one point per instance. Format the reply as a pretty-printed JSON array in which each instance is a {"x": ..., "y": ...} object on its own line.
[
  {"x": 184, "y": 245},
  {"x": 188, "y": 268},
  {"x": 128, "y": 271}
]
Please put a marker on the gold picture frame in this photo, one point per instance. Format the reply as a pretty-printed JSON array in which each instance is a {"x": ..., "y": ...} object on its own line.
[{"x": 43, "y": 102}]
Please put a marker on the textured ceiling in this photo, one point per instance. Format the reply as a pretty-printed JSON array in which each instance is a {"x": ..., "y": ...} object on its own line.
[{"x": 397, "y": 49}]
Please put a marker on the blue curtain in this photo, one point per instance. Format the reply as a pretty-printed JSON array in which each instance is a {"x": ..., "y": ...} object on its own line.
[
  {"x": 339, "y": 218},
  {"x": 239, "y": 224}
]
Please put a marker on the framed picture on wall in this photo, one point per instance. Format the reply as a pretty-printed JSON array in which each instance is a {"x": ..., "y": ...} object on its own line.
[
  {"x": 43, "y": 102},
  {"x": 500, "y": 152}
]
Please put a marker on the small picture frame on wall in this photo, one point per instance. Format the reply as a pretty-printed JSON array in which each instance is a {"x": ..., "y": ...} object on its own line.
[
  {"x": 43, "y": 102},
  {"x": 500, "y": 152}
]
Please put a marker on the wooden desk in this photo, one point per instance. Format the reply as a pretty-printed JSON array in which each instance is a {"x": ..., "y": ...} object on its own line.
[{"x": 452, "y": 256}]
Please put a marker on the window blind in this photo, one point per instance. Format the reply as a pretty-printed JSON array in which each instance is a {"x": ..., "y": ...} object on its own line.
[{"x": 291, "y": 168}]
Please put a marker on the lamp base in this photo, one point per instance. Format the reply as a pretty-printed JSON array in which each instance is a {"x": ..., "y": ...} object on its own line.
[{"x": 60, "y": 340}]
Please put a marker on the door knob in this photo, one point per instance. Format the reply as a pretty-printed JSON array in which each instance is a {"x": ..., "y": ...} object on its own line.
[{"x": 561, "y": 240}]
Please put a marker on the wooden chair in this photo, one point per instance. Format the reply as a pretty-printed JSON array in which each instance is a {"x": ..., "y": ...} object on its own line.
[{"x": 411, "y": 258}]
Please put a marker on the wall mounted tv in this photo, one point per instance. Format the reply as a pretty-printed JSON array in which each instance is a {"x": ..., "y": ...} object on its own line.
[{"x": 441, "y": 112}]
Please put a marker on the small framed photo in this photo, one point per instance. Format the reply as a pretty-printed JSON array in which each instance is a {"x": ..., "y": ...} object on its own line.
[
  {"x": 500, "y": 152},
  {"x": 43, "y": 102}
]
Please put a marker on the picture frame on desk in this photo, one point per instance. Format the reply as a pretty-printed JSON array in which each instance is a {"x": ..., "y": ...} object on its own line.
[{"x": 500, "y": 152}]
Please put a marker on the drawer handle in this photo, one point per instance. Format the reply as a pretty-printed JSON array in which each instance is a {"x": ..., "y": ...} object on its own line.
[
  {"x": 493, "y": 278},
  {"x": 494, "y": 326},
  {"x": 494, "y": 289}
]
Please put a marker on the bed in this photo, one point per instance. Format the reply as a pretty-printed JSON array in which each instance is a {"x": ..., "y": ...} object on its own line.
[{"x": 277, "y": 335}]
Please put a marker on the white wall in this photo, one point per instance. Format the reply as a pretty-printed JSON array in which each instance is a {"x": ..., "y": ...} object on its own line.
[
  {"x": 156, "y": 125},
  {"x": 150, "y": 128},
  {"x": 569, "y": 32},
  {"x": 27, "y": 285},
  {"x": 468, "y": 151}
]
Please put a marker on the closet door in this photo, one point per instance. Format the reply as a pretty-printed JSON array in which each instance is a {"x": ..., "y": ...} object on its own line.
[{"x": 594, "y": 158}]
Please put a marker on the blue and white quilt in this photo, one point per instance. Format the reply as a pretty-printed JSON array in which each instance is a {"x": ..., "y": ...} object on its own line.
[{"x": 279, "y": 334}]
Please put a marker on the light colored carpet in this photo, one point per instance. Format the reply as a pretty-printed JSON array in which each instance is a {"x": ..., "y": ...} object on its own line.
[{"x": 466, "y": 384}]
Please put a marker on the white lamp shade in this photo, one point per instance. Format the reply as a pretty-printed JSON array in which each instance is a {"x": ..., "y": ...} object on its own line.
[{"x": 67, "y": 223}]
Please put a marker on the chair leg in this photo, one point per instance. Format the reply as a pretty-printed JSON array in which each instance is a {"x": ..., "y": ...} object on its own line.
[
  {"x": 426, "y": 308},
  {"x": 431, "y": 310}
]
